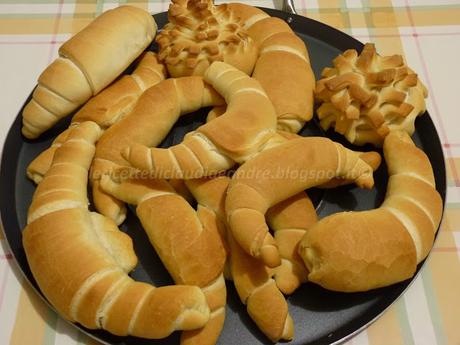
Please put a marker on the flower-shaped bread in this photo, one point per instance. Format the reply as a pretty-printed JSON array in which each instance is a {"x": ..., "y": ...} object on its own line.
[
  {"x": 366, "y": 96},
  {"x": 199, "y": 33}
]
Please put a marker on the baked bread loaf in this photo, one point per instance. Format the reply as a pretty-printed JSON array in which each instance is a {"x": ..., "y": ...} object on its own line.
[
  {"x": 290, "y": 220},
  {"x": 148, "y": 124},
  {"x": 241, "y": 132},
  {"x": 187, "y": 242},
  {"x": 199, "y": 33},
  {"x": 80, "y": 259},
  {"x": 366, "y": 96},
  {"x": 86, "y": 65},
  {"x": 107, "y": 107},
  {"x": 279, "y": 173},
  {"x": 359, "y": 251},
  {"x": 265, "y": 303},
  {"x": 291, "y": 83}
]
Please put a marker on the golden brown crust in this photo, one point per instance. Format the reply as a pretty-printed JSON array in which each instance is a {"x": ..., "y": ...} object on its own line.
[
  {"x": 265, "y": 303},
  {"x": 358, "y": 251},
  {"x": 199, "y": 33},
  {"x": 82, "y": 68},
  {"x": 148, "y": 123},
  {"x": 188, "y": 243},
  {"x": 367, "y": 95},
  {"x": 278, "y": 173},
  {"x": 90, "y": 290},
  {"x": 290, "y": 220}
]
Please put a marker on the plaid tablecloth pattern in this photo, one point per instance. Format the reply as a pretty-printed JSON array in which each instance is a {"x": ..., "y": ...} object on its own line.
[{"x": 427, "y": 32}]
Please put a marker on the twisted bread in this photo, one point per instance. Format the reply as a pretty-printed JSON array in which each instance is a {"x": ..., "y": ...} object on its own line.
[
  {"x": 80, "y": 259},
  {"x": 265, "y": 303},
  {"x": 187, "y": 242},
  {"x": 86, "y": 65},
  {"x": 150, "y": 121},
  {"x": 246, "y": 126},
  {"x": 289, "y": 220},
  {"x": 278, "y": 173},
  {"x": 106, "y": 108},
  {"x": 358, "y": 251},
  {"x": 199, "y": 33}
]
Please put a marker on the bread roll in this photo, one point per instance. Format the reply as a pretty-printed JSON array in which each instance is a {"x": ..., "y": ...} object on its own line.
[
  {"x": 80, "y": 259},
  {"x": 148, "y": 124},
  {"x": 291, "y": 84},
  {"x": 199, "y": 33},
  {"x": 265, "y": 303},
  {"x": 359, "y": 251},
  {"x": 86, "y": 65},
  {"x": 106, "y": 108},
  {"x": 187, "y": 242},
  {"x": 248, "y": 123},
  {"x": 278, "y": 173}
]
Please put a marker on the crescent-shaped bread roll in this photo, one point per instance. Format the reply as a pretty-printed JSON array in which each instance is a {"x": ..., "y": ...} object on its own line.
[
  {"x": 153, "y": 116},
  {"x": 265, "y": 303},
  {"x": 80, "y": 259},
  {"x": 187, "y": 242},
  {"x": 86, "y": 65},
  {"x": 278, "y": 173},
  {"x": 106, "y": 108},
  {"x": 359, "y": 251},
  {"x": 291, "y": 84},
  {"x": 240, "y": 133}
]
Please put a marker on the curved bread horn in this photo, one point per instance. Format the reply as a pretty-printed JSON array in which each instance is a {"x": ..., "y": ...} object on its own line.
[
  {"x": 106, "y": 108},
  {"x": 148, "y": 124},
  {"x": 187, "y": 242},
  {"x": 358, "y": 251},
  {"x": 235, "y": 136},
  {"x": 291, "y": 84},
  {"x": 264, "y": 302},
  {"x": 260, "y": 183},
  {"x": 80, "y": 259},
  {"x": 86, "y": 65}
]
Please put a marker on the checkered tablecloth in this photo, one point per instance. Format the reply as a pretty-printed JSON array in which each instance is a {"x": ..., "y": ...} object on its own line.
[{"x": 427, "y": 32}]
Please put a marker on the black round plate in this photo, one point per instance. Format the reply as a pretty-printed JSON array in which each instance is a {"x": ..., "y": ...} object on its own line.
[{"x": 320, "y": 316}]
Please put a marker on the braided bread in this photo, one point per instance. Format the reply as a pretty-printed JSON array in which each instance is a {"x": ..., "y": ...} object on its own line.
[
  {"x": 106, "y": 108},
  {"x": 359, "y": 251},
  {"x": 80, "y": 259},
  {"x": 187, "y": 242},
  {"x": 281, "y": 172},
  {"x": 82, "y": 68}
]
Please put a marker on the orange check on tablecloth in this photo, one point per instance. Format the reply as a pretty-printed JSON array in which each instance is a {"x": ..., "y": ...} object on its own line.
[{"x": 426, "y": 32}]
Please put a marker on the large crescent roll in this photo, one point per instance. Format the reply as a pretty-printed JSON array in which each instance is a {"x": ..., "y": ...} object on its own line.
[
  {"x": 153, "y": 116},
  {"x": 264, "y": 302},
  {"x": 291, "y": 84},
  {"x": 240, "y": 133},
  {"x": 188, "y": 243},
  {"x": 86, "y": 65},
  {"x": 80, "y": 259},
  {"x": 106, "y": 108},
  {"x": 359, "y": 251},
  {"x": 278, "y": 173}
]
